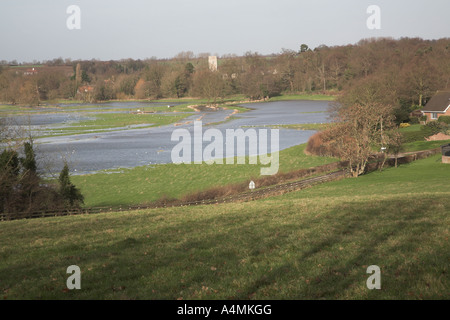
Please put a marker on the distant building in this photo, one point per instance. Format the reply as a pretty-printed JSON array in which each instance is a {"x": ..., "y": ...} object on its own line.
[
  {"x": 30, "y": 72},
  {"x": 212, "y": 62},
  {"x": 416, "y": 113},
  {"x": 85, "y": 89},
  {"x": 439, "y": 105},
  {"x": 85, "y": 93}
]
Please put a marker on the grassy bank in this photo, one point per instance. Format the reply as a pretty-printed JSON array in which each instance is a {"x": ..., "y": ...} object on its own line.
[
  {"x": 303, "y": 126},
  {"x": 312, "y": 244},
  {"x": 7, "y": 109},
  {"x": 319, "y": 97},
  {"x": 423, "y": 177},
  {"x": 182, "y": 104},
  {"x": 414, "y": 138},
  {"x": 423, "y": 145}
]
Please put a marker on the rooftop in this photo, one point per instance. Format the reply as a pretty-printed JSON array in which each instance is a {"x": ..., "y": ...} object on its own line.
[{"x": 438, "y": 103}]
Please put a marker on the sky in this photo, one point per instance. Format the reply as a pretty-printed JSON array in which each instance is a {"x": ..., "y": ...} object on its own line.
[{"x": 37, "y": 30}]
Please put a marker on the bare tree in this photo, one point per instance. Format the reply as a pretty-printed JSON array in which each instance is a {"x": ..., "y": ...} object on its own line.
[
  {"x": 362, "y": 118},
  {"x": 210, "y": 85},
  {"x": 394, "y": 145}
]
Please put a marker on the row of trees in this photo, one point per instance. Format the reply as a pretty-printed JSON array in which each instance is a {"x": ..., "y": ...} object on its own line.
[{"x": 413, "y": 68}]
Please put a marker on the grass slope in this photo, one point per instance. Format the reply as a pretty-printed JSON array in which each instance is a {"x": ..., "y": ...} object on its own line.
[{"x": 312, "y": 244}]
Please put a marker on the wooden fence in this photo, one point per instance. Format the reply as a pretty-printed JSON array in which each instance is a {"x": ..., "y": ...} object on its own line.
[{"x": 277, "y": 189}]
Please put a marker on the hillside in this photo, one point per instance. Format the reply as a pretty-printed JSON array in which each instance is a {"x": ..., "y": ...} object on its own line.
[{"x": 312, "y": 244}]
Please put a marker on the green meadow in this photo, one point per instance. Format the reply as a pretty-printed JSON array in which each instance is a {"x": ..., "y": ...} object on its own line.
[
  {"x": 322, "y": 97},
  {"x": 149, "y": 183}
]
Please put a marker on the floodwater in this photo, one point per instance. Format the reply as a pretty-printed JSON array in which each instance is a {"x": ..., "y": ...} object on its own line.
[{"x": 92, "y": 152}]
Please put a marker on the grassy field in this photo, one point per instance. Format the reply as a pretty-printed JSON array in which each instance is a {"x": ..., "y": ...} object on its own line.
[
  {"x": 113, "y": 121},
  {"x": 7, "y": 109},
  {"x": 149, "y": 183},
  {"x": 411, "y": 128},
  {"x": 312, "y": 244}
]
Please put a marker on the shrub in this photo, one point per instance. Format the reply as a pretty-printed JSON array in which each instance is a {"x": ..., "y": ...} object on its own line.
[
  {"x": 444, "y": 119},
  {"x": 68, "y": 191},
  {"x": 316, "y": 145},
  {"x": 414, "y": 120},
  {"x": 436, "y": 127},
  {"x": 404, "y": 125}
]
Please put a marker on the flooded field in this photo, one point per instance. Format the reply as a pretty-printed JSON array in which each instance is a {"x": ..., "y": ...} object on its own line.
[{"x": 137, "y": 145}]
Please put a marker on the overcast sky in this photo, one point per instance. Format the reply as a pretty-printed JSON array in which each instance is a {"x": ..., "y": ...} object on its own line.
[{"x": 112, "y": 29}]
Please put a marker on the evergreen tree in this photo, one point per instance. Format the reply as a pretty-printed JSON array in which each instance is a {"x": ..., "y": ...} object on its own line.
[
  {"x": 9, "y": 172},
  {"x": 9, "y": 162},
  {"x": 29, "y": 181},
  {"x": 29, "y": 162},
  {"x": 68, "y": 191}
]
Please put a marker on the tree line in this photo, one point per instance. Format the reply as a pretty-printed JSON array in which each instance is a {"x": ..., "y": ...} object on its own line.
[{"x": 412, "y": 68}]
